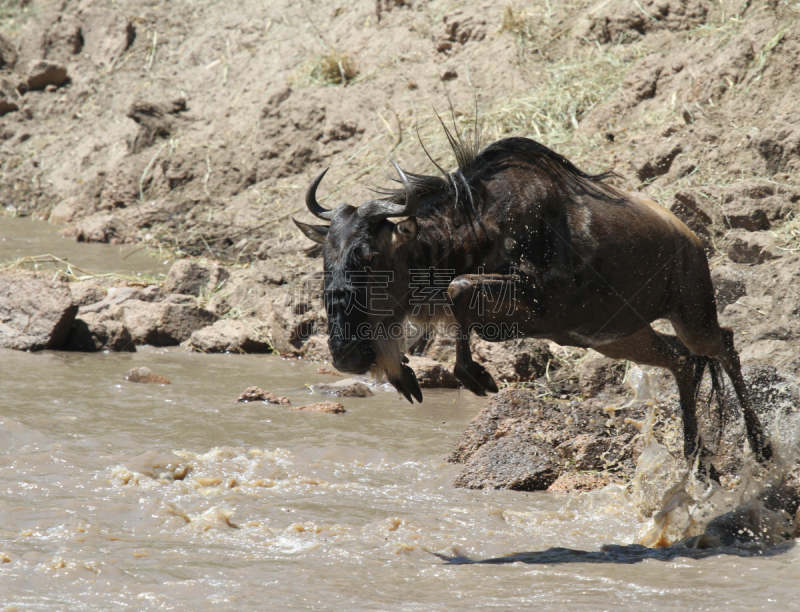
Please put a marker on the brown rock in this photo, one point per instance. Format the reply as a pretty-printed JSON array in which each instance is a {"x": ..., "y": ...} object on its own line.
[
  {"x": 618, "y": 19},
  {"x": 688, "y": 208},
  {"x": 100, "y": 331},
  {"x": 520, "y": 442},
  {"x": 256, "y": 394},
  {"x": 155, "y": 120},
  {"x": 160, "y": 466},
  {"x": 194, "y": 278},
  {"x": 106, "y": 34},
  {"x": 750, "y": 247},
  {"x": 743, "y": 215},
  {"x": 7, "y": 106},
  {"x": 165, "y": 323},
  {"x": 329, "y": 407},
  {"x": 585, "y": 451},
  {"x": 510, "y": 462},
  {"x": 657, "y": 162},
  {"x": 773, "y": 200},
  {"x": 316, "y": 349},
  {"x": 8, "y": 55},
  {"x": 230, "y": 336},
  {"x": 432, "y": 374},
  {"x": 99, "y": 228},
  {"x": 146, "y": 376},
  {"x": 324, "y": 370},
  {"x": 118, "y": 296},
  {"x": 596, "y": 373},
  {"x": 64, "y": 211},
  {"x": 9, "y": 97},
  {"x": 580, "y": 482},
  {"x": 513, "y": 361},
  {"x": 265, "y": 271},
  {"x": 35, "y": 314},
  {"x": 87, "y": 292},
  {"x": 730, "y": 283},
  {"x": 349, "y": 387},
  {"x": 293, "y": 321},
  {"x": 42, "y": 73}
]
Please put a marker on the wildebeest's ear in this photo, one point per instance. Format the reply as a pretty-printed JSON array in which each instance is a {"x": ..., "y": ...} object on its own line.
[
  {"x": 316, "y": 233},
  {"x": 405, "y": 231}
]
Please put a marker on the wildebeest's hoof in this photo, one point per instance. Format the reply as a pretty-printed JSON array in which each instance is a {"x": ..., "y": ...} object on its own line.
[
  {"x": 475, "y": 378},
  {"x": 407, "y": 384}
]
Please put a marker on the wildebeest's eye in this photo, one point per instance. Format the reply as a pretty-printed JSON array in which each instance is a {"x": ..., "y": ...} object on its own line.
[{"x": 366, "y": 253}]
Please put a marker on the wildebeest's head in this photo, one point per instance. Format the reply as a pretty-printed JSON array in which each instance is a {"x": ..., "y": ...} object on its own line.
[{"x": 363, "y": 297}]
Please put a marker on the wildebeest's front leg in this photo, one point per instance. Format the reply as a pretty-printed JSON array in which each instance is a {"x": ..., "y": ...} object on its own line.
[{"x": 480, "y": 299}]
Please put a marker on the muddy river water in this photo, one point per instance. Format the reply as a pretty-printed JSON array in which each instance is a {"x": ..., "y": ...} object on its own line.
[{"x": 288, "y": 510}]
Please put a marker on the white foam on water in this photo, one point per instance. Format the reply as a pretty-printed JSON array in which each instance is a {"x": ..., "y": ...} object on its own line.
[{"x": 693, "y": 511}]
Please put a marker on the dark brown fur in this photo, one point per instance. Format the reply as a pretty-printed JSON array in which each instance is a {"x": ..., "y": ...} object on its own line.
[{"x": 585, "y": 265}]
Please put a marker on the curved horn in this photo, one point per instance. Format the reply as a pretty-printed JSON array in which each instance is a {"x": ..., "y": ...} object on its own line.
[
  {"x": 381, "y": 209},
  {"x": 311, "y": 199}
]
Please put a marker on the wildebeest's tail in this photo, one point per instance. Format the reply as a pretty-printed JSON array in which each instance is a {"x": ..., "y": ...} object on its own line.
[{"x": 717, "y": 387}]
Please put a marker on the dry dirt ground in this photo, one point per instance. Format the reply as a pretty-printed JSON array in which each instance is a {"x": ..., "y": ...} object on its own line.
[{"x": 196, "y": 128}]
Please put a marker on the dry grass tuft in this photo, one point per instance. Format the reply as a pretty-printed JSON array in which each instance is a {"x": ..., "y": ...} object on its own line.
[
  {"x": 516, "y": 22},
  {"x": 551, "y": 110},
  {"x": 332, "y": 68},
  {"x": 526, "y": 28},
  {"x": 788, "y": 234}
]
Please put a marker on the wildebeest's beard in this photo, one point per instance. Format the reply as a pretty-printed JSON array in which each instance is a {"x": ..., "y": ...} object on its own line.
[{"x": 360, "y": 251}]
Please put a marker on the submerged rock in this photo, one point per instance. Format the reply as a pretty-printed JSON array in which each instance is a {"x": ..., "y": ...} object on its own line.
[
  {"x": 145, "y": 375},
  {"x": 256, "y": 394},
  {"x": 349, "y": 387},
  {"x": 35, "y": 314},
  {"x": 329, "y": 407},
  {"x": 159, "y": 466}
]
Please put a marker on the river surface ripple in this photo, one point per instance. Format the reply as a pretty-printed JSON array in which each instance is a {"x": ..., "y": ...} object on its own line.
[
  {"x": 296, "y": 510},
  {"x": 287, "y": 510}
]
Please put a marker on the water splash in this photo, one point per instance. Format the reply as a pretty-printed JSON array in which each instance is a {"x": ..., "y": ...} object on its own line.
[{"x": 756, "y": 509}]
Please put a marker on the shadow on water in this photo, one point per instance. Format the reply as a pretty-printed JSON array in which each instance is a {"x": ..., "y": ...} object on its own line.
[{"x": 625, "y": 555}]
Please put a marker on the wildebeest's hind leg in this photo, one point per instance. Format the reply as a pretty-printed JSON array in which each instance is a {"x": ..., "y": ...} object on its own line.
[
  {"x": 717, "y": 343},
  {"x": 649, "y": 347}
]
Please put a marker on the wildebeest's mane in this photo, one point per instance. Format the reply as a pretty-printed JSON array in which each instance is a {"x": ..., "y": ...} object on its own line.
[{"x": 457, "y": 186}]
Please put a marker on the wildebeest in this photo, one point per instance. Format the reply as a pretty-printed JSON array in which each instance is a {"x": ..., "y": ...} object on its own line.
[{"x": 531, "y": 245}]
